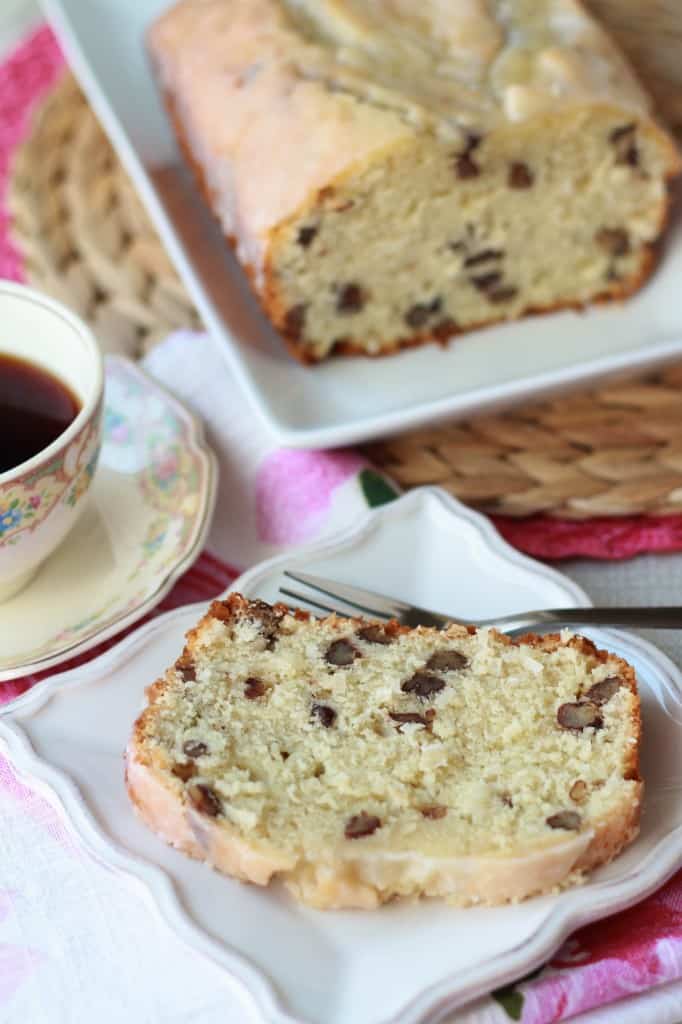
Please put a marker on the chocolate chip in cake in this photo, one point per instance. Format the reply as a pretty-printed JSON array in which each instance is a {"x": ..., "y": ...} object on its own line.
[
  {"x": 601, "y": 693},
  {"x": 284, "y": 754},
  {"x": 569, "y": 820},
  {"x": 184, "y": 770},
  {"x": 374, "y": 635},
  {"x": 268, "y": 619},
  {"x": 306, "y": 236},
  {"x": 623, "y": 139},
  {"x": 447, "y": 661},
  {"x": 503, "y": 294},
  {"x": 341, "y": 653},
  {"x": 409, "y": 718},
  {"x": 418, "y": 315},
  {"x": 579, "y": 715},
  {"x": 486, "y": 282},
  {"x": 294, "y": 322},
  {"x": 194, "y": 748},
  {"x": 484, "y": 257},
  {"x": 434, "y": 811},
  {"x": 614, "y": 241},
  {"x": 254, "y": 688},
  {"x": 185, "y": 666},
  {"x": 205, "y": 800},
  {"x": 520, "y": 176},
  {"x": 624, "y": 131},
  {"x": 578, "y": 791},
  {"x": 325, "y": 714},
  {"x": 506, "y": 799},
  {"x": 361, "y": 825},
  {"x": 630, "y": 156},
  {"x": 423, "y": 684},
  {"x": 351, "y": 298},
  {"x": 466, "y": 168}
]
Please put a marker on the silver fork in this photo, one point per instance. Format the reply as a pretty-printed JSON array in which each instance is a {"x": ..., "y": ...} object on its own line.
[{"x": 380, "y": 606}]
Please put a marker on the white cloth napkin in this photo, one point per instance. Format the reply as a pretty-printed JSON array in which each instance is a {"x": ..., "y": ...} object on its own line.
[{"x": 81, "y": 943}]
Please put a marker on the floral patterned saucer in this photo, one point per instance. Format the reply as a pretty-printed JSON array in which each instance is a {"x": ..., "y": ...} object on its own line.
[{"x": 146, "y": 519}]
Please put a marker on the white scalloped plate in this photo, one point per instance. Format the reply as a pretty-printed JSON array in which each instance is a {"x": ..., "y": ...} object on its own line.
[{"x": 404, "y": 964}]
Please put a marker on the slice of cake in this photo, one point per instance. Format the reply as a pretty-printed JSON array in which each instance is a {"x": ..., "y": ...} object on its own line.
[
  {"x": 359, "y": 761},
  {"x": 392, "y": 172}
]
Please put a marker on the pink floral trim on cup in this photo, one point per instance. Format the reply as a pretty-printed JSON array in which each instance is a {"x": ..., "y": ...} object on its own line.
[{"x": 26, "y": 501}]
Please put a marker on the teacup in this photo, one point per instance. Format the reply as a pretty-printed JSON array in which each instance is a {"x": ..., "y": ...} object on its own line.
[{"x": 42, "y": 498}]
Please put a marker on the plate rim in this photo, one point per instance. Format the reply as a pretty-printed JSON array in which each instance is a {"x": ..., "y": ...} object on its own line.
[
  {"x": 487, "y": 398},
  {"x": 203, "y": 519},
  {"x": 661, "y": 861}
]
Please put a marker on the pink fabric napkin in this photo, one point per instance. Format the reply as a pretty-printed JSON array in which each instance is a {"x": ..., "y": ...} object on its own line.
[{"x": 633, "y": 952}]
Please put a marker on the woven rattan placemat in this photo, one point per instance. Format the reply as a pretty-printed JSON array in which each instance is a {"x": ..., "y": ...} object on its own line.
[{"x": 86, "y": 240}]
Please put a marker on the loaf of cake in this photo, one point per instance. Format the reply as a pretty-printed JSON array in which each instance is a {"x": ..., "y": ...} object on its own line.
[
  {"x": 393, "y": 172},
  {"x": 360, "y": 761}
]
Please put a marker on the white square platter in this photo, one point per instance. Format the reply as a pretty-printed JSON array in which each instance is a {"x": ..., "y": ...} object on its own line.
[
  {"x": 403, "y": 964},
  {"x": 344, "y": 400}
]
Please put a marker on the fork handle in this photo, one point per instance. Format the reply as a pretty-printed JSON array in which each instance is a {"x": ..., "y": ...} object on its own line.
[{"x": 661, "y": 617}]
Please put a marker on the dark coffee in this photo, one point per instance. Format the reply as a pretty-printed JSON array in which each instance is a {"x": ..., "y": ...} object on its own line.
[{"x": 35, "y": 408}]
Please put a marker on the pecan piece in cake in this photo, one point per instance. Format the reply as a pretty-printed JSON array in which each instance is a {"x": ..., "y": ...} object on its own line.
[
  {"x": 361, "y": 824},
  {"x": 375, "y": 635},
  {"x": 423, "y": 684},
  {"x": 185, "y": 666},
  {"x": 341, "y": 653},
  {"x": 446, "y": 661},
  {"x": 579, "y": 715},
  {"x": 569, "y": 820},
  {"x": 409, "y": 718},
  {"x": 434, "y": 811},
  {"x": 578, "y": 791},
  {"x": 205, "y": 800},
  {"x": 601, "y": 693}
]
